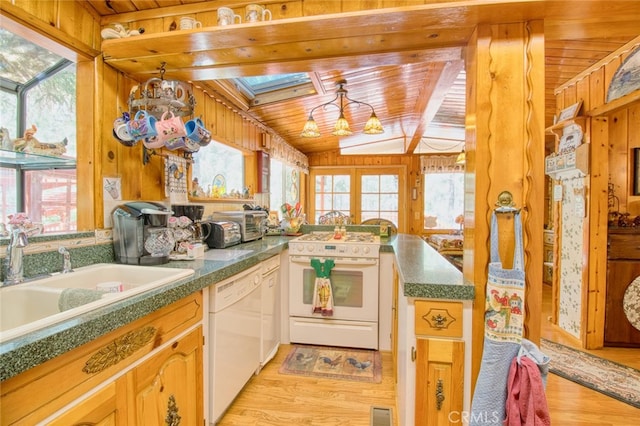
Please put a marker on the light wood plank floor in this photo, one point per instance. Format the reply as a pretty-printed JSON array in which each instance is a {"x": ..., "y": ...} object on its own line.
[{"x": 273, "y": 399}]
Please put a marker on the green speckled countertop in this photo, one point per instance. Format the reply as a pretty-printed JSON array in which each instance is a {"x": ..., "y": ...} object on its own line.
[{"x": 424, "y": 272}]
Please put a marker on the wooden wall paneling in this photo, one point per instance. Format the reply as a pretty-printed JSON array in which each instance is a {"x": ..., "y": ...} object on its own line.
[
  {"x": 107, "y": 148},
  {"x": 320, "y": 7},
  {"x": 221, "y": 121},
  {"x": 506, "y": 98},
  {"x": 618, "y": 156},
  {"x": 46, "y": 11},
  {"x": 285, "y": 10},
  {"x": 597, "y": 89},
  {"x": 238, "y": 134},
  {"x": 78, "y": 23},
  {"x": 210, "y": 117},
  {"x": 597, "y": 235},
  {"x": 88, "y": 131},
  {"x": 583, "y": 94}
]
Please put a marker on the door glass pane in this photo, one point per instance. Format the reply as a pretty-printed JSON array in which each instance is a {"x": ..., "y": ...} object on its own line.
[
  {"x": 332, "y": 193},
  {"x": 379, "y": 198},
  {"x": 347, "y": 288}
]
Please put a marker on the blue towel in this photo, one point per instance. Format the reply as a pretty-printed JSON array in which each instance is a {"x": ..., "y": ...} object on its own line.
[{"x": 504, "y": 312}]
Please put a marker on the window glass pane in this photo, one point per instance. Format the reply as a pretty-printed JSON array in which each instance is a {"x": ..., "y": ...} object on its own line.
[
  {"x": 342, "y": 183},
  {"x": 389, "y": 183},
  {"x": 276, "y": 183},
  {"x": 8, "y": 114},
  {"x": 370, "y": 202},
  {"x": 444, "y": 199},
  {"x": 292, "y": 185},
  {"x": 389, "y": 202},
  {"x": 8, "y": 195},
  {"x": 323, "y": 183},
  {"x": 23, "y": 60},
  {"x": 50, "y": 199},
  {"x": 341, "y": 202},
  {"x": 51, "y": 107},
  {"x": 219, "y": 159},
  {"x": 379, "y": 198},
  {"x": 370, "y": 183}
]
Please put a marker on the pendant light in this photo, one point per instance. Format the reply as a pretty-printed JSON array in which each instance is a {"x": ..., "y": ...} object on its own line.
[{"x": 342, "y": 128}]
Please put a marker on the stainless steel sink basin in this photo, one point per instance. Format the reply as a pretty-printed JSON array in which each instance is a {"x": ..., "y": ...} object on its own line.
[{"x": 36, "y": 304}]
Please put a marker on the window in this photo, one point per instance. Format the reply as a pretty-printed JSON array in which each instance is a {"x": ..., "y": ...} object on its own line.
[
  {"x": 379, "y": 197},
  {"x": 443, "y": 191},
  {"x": 37, "y": 100},
  {"x": 361, "y": 193},
  {"x": 222, "y": 164},
  {"x": 284, "y": 182}
]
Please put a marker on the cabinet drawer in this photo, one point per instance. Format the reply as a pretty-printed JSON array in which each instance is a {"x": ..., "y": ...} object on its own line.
[
  {"x": 438, "y": 319},
  {"x": 624, "y": 246},
  {"x": 40, "y": 391}
]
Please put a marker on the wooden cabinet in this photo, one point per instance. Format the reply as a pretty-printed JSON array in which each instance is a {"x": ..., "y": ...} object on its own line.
[
  {"x": 623, "y": 267},
  {"x": 168, "y": 385},
  {"x": 431, "y": 358},
  {"x": 100, "y": 409},
  {"x": 439, "y": 358},
  {"x": 547, "y": 272},
  {"x": 439, "y": 381},
  {"x": 69, "y": 382}
]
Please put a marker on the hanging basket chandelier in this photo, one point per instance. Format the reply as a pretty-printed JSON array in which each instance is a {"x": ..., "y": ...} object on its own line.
[{"x": 341, "y": 128}]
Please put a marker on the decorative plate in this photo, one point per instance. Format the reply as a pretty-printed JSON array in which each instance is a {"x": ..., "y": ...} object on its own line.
[{"x": 219, "y": 185}]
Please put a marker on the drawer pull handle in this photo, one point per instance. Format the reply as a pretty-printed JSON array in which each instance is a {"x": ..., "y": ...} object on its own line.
[
  {"x": 439, "y": 394},
  {"x": 121, "y": 348},
  {"x": 413, "y": 353}
]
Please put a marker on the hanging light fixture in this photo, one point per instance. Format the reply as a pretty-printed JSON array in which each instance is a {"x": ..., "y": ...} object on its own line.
[{"x": 341, "y": 128}]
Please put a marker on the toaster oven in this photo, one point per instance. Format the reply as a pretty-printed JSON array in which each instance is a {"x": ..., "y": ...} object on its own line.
[
  {"x": 223, "y": 235},
  {"x": 252, "y": 222}
]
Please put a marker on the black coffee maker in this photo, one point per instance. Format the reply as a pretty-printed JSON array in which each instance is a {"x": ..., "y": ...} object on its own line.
[
  {"x": 200, "y": 230},
  {"x": 140, "y": 233}
]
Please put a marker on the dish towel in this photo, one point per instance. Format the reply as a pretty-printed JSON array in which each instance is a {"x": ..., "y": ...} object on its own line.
[
  {"x": 526, "y": 401},
  {"x": 322, "y": 291},
  {"x": 502, "y": 330}
]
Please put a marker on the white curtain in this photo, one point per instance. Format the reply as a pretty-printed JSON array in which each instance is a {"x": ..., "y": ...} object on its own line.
[{"x": 440, "y": 164}]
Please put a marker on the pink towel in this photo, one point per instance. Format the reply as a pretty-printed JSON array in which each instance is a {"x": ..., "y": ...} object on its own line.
[{"x": 526, "y": 401}]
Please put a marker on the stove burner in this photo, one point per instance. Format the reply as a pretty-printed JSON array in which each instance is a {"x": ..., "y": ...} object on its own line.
[{"x": 316, "y": 236}]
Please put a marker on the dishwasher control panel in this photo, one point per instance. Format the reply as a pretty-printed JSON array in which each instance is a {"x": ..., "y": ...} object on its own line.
[{"x": 229, "y": 291}]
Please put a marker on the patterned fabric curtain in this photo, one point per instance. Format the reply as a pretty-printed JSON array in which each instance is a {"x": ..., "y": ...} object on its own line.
[{"x": 440, "y": 164}]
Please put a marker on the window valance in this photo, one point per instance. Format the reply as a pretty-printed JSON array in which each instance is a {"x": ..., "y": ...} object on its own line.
[{"x": 440, "y": 164}]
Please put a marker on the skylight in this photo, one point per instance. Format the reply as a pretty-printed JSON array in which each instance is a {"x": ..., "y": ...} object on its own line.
[{"x": 264, "y": 89}]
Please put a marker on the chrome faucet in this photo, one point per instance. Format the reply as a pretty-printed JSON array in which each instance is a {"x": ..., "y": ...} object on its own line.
[
  {"x": 15, "y": 268},
  {"x": 66, "y": 260}
]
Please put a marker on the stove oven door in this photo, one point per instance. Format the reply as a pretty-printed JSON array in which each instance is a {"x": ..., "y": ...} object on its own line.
[{"x": 354, "y": 284}]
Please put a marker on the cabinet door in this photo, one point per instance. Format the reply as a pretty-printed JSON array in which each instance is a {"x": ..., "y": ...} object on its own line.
[
  {"x": 439, "y": 381},
  {"x": 99, "y": 409},
  {"x": 169, "y": 385}
]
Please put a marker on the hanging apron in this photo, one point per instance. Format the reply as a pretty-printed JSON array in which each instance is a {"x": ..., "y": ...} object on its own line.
[
  {"x": 322, "y": 291},
  {"x": 503, "y": 327}
]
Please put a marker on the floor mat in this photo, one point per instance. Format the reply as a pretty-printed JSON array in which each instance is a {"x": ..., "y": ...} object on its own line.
[
  {"x": 360, "y": 365},
  {"x": 610, "y": 378}
]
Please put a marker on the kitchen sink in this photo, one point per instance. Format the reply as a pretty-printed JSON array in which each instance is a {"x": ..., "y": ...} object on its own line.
[{"x": 39, "y": 303}]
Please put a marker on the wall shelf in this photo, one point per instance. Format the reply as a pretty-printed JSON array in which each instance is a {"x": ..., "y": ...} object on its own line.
[{"x": 574, "y": 163}]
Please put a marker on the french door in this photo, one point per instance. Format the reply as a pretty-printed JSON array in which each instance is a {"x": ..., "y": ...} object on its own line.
[{"x": 361, "y": 193}]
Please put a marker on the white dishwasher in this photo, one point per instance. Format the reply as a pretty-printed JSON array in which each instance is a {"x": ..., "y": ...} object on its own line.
[
  {"x": 235, "y": 336},
  {"x": 270, "y": 309}
]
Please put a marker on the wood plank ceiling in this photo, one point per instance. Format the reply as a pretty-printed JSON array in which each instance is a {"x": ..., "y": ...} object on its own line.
[{"x": 417, "y": 92}]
